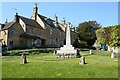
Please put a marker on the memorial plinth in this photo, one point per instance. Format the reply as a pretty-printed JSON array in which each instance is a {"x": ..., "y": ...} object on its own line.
[{"x": 68, "y": 49}]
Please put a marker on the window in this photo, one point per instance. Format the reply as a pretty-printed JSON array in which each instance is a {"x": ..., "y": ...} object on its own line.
[
  {"x": 61, "y": 43},
  {"x": 19, "y": 25},
  {"x": 51, "y": 31},
  {"x": 11, "y": 33},
  {"x": 10, "y": 45},
  {"x": 60, "y": 33},
  {"x": 38, "y": 32},
  {"x": 31, "y": 30},
  {"x": 50, "y": 42},
  {"x": 56, "y": 41}
]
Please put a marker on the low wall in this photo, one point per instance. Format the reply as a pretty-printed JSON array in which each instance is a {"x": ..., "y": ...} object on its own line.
[{"x": 41, "y": 50}]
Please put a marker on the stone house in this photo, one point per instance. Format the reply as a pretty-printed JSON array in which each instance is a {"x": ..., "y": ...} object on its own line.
[
  {"x": 37, "y": 31},
  {"x": 22, "y": 32}
]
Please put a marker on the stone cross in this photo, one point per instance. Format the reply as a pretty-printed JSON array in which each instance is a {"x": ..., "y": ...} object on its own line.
[
  {"x": 67, "y": 50},
  {"x": 68, "y": 39}
]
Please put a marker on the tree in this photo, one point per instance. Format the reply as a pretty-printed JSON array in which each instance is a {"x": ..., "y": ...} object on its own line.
[
  {"x": 109, "y": 35},
  {"x": 86, "y": 32},
  {"x": 103, "y": 35},
  {"x": 115, "y": 36},
  {"x": 100, "y": 34}
]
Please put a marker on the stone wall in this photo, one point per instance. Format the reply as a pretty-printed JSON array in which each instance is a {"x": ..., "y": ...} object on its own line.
[
  {"x": 55, "y": 36},
  {"x": 15, "y": 37}
]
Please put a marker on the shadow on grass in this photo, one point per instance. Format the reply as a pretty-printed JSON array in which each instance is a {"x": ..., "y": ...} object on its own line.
[{"x": 24, "y": 63}]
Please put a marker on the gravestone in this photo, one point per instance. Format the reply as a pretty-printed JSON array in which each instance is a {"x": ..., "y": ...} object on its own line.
[
  {"x": 54, "y": 52},
  {"x": 24, "y": 58},
  {"x": 68, "y": 48},
  {"x": 78, "y": 53},
  {"x": 113, "y": 55},
  {"x": 82, "y": 60},
  {"x": 91, "y": 52}
]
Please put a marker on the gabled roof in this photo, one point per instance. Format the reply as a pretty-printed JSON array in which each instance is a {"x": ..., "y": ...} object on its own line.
[
  {"x": 47, "y": 21},
  {"x": 7, "y": 25},
  {"x": 30, "y": 22},
  {"x": 51, "y": 22},
  {"x": 62, "y": 27}
]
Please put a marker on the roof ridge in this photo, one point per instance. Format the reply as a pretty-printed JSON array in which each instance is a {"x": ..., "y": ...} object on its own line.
[
  {"x": 9, "y": 22},
  {"x": 30, "y": 22},
  {"x": 26, "y": 17},
  {"x": 45, "y": 17},
  {"x": 8, "y": 25}
]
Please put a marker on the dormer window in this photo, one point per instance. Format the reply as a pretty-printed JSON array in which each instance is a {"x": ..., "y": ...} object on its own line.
[{"x": 48, "y": 20}]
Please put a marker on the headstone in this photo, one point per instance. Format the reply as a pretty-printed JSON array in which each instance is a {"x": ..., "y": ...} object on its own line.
[
  {"x": 113, "y": 55},
  {"x": 54, "y": 52},
  {"x": 78, "y": 53},
  {"x": 68, "y": 48},
  {"x": 91, "y": 51},
  {"x": 82, "y": 60},
  {"x": 24, "y": 60}
]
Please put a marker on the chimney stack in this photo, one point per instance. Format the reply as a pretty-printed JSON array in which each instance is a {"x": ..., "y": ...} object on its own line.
[
  {"x": 6, "y": 21},
  {"x": 35, "y": 11},
  {"x": 63, "y": 21},
  {"x": 56, "y": 20},
  {"x": 16, "y": 18}
]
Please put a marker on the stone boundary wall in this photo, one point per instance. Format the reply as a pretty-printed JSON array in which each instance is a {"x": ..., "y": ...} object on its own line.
[{"x": 44, "y": 50}]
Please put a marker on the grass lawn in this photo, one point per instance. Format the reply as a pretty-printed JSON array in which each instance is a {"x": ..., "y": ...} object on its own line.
[{"x": 45, "y": 65}]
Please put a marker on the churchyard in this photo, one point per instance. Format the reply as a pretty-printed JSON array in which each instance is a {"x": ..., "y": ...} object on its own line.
[
  {"x": 46, "y": 65},
  {"x": 66, "y": 62},
  {"x": 54, "y": 49}
]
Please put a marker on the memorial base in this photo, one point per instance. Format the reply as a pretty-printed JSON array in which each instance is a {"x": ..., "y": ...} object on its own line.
[{"x": 67, "y": 50}]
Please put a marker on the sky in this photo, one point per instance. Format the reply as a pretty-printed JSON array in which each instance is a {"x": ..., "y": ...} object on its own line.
[{"x": 105, "y": 13}]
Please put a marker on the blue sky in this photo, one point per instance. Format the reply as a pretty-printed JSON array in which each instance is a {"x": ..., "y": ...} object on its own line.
[{"x": 105, "y": 13}]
